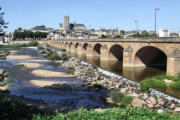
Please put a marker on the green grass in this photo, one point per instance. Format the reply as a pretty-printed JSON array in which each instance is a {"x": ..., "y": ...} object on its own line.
[
  {"x": 16, "y": 110},
  {"x": 64, "y": 57},
  {"x": 4, "y": 51},
  {"x": 33, "y": 43},
  {"x": 40, "y": 47},
  {"x": 71, "y": 69},
  {"x": 64, "y": 50},
  {"x": 8, "y": 80},
  {"x": 152, "y": 83},
  {"x": 158, "y": 82},
  {"x": 20, "y": 65},
  {"x": 55, "y": 56},
  {"x": 98, "y": 86},
  {"x": 121, "y": 99},
  {"x": 109, "y": 114},
  {"x": 175, "y": 86},
  {"x": 42, "y": 51}
]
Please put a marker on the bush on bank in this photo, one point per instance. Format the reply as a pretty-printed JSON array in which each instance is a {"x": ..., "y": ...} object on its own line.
[
  {"x": 109, "y": 114},
  {"x": 16, "y": 110},
  {"x": 159, "y": 82},
  {"x": 121, "y": 99}
]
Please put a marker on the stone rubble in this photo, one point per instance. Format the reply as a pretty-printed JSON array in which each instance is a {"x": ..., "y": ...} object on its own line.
[{"x": 90, "y": 75}]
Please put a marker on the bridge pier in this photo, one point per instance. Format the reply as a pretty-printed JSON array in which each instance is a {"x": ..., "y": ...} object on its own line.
[
  {"x": 67, "y": 48},
  {"x": 63, "y": 46},
  {"x": 89, "y": 51},
  {"x": 104, "y": 56},
  {"x": 79, "y": 50},
  {"x": 173, "y": 63},
  {"x": 128, "y": 56},
  {"x": 73, "y": 50}
]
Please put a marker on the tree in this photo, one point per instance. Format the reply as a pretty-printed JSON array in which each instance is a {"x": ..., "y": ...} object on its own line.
[
  {"x": 122, "y": 32},
  {"x": 3, "y": 24},
  {"x": 41, "y": 27}
]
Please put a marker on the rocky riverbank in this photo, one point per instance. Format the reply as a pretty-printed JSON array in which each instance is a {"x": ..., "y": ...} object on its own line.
[{"x": 92, "y": 76}]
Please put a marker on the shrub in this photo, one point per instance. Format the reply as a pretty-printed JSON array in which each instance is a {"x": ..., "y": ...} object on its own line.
[
  {"x": 152, "y": 83},
  {"x": 42, "y": 52},
  {"x": 116, "y": 97},
  {"x": 64, "y": 50},
  {"x": 121, "y": 99},
  {"x": 40, "y": 47},
  {"x": 64, "y": 57},
  {"x": 110, "y": 114},
  {"x": 20, "y": 65},
  {"x": 175, "y": 85},
  {"x": 8, "y": 80},
  {"x": 55, "y": 56},
  {"x": 98, "y": 86},
  {"x": 127, "y": 100},
  {"x": 48, "y": 54},
  {"x": 33, "y": 43},
  {"x": 24, "y": 45},
  {"x": 71, "y": 70},
  {"x": 15, "y": 110}
]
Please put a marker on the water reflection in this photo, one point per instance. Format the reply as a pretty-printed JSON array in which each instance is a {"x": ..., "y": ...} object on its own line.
[{"x": 136, "y": 73}]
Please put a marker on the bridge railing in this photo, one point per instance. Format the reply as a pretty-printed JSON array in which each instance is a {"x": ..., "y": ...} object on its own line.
[{"x": 151, "y": 40}]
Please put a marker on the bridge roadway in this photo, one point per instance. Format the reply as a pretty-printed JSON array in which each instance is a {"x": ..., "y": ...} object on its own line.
[{"x": 133, "y": 52}]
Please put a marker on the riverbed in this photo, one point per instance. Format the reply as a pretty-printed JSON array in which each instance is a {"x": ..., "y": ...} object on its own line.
[{"x": 33, "y": 80}]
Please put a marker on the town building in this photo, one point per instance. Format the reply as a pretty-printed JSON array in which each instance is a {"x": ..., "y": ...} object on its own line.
[
  {"x": 66, "y": 26},
  {"x": 164, "y": 33}
]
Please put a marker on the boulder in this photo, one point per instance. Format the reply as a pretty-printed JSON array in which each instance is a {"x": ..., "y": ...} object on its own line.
[
  {"x": 150, "y": 105},
  {"x": 123, "y": 90},
  {"x": 160, "y": 111},
  {"x": 153, "y": 100},
  {"x": 137, "y": 102},
  {"x": 177, "y": 109}
]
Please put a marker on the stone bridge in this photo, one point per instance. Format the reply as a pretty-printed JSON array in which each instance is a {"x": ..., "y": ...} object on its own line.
[{"x": 133, "y": 52}]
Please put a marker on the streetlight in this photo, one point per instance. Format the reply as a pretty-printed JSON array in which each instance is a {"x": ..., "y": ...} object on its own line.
[
  {"x": 89, "y": 30},
  {"x": 156, "y": 9},
  {"x": 137, "y": 25}
]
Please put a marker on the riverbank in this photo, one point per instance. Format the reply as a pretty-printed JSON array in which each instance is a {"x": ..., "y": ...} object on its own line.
[
  {"x": 34, "y": 76},
  {"x": 92, "y": 75}
]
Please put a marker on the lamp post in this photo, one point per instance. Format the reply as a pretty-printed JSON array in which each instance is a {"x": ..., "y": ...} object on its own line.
[
  {"x": 156, "y": 9},
  {"x": 137, "y": 25},
  {"x": 89, "y": 30}
]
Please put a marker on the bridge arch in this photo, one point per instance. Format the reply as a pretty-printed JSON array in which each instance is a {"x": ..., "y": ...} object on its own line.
[
  {"x": 85, "y": 45},
  {"x": 151, "y": 56},
  {"x": 116, "y": 52},
  {"x": 76, "y": 45},
  {"x": 97, "y": 49},
  {"x": 70, "y": 45}
]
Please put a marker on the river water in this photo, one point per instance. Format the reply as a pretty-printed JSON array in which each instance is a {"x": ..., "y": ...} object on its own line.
[
  {"x": 23, "y": 77},
  {"x": 136, "y": 73}
]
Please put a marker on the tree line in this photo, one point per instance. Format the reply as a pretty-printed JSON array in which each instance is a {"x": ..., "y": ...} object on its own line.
[
  {"x": 3, "y": 24},
  {"x": 27, "y": 34}
]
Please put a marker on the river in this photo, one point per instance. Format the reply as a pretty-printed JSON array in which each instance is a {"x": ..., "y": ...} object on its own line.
[{"x": 28, "y": 81}]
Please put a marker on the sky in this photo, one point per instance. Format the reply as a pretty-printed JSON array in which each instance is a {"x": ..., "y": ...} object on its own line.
[{"x": 95, "y": 14}]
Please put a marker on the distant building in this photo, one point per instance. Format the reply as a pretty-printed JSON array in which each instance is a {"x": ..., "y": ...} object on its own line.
[
  {"x": 164, "y": 33},
  {"x": 174, "y": 35},
  {"x": 60, "y": 27},
  {"x": 66, "y": 26},
  {"x": 79, "y": 27}
]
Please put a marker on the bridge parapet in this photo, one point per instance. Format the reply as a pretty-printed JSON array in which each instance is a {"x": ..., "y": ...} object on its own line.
[{"x": 147, "y": 40}]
